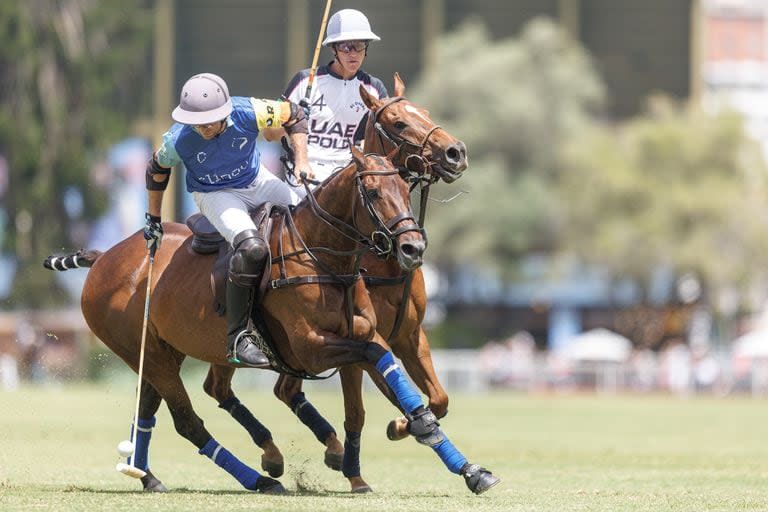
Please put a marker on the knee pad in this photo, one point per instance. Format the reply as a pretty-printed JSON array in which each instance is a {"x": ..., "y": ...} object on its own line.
[{"x": 248, "y": 260}]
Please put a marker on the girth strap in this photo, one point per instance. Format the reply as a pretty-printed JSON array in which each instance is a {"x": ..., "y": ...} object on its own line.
[{"x": 345, "y": 280}]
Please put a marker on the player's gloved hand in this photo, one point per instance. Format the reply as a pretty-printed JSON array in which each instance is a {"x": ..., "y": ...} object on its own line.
[
  {"x": 304, "y": 104},
  {"x": 153, "y": 231}
]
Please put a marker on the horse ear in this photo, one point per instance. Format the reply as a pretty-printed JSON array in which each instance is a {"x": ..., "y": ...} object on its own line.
[
  {"x": 358, "y": 156},
  {"x": 399, "y": 85},
  {"x": 370, "y": 101}
]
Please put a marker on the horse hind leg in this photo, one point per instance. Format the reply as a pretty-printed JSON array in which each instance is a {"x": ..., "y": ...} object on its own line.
[
  {"x": 166, "y": 380},
  {"x": 218, "y": 384},
  {"x": 288, "y": 390}
]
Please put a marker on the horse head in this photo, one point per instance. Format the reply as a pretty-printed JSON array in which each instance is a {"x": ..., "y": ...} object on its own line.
[
  {"x": 383, "y": 209},
  {"x": 423, "y": 146}
]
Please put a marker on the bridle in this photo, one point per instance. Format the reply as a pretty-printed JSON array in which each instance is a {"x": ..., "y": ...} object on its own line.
[
  {"x": 401, "y": 142},
  {"x": 382, "y": 239}
]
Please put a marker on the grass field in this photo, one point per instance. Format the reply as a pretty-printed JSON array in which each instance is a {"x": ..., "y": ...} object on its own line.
[{"x": 558, "y": 453}]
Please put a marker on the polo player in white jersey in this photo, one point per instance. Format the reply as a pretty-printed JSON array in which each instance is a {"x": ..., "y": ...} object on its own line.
[{"x": 337, "y": 114}]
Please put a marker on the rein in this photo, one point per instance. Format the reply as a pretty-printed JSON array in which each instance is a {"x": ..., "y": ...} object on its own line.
[{"x": 381, "y": 242}]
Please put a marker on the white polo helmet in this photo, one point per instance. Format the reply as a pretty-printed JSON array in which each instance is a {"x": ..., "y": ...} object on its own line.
[
  {"x": 204, "y": 99},
  {"x": 348, "y": 25}
]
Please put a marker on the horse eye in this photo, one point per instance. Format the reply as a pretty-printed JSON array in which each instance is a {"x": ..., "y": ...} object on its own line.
[
  {"x": 372, "y": 193},
  {"x": 400, "y": 125}
]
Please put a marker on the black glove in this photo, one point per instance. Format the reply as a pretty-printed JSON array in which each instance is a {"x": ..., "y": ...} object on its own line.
[
  {"x": 304, "y": 104},
  {"x": 153, "y": 232}
]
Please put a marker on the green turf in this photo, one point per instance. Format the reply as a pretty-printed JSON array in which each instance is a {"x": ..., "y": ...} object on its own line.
[{"x": 581, "y": 453}]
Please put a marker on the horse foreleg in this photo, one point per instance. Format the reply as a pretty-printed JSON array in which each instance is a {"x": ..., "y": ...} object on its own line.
[
  {"x": 288, "y": 390},
  {"x": 417, "y": 359},
  {"x": 188, "y": 424},
  {"x": 218, "y": 384},
  {"x": 354, "y": 419},
  {"x": 423, "y": 423},
  {"x": 148, "y": 405}
]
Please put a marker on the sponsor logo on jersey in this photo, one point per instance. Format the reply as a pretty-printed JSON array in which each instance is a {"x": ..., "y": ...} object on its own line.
[
  {"x": 212, "y": 179},
  {"x": 239, "y": 142},
  {"x": 330, "y": 135},
  {"x": 357, "y": 106},
  {"x": 201, "y": 157}
]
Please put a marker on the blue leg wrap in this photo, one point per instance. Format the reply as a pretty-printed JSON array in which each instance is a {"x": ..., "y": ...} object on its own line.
[
  {"x": 410, "y": 400},
  {"x": 451, "y": 457},
  {"x": 259, "y": 433},
  {"x": 231, "y": 464},
  {"x": 350, "y": 466},
  {"x": 143, "y": 436},
  {"x": 309, "y": 416},
  {"x": 406, "y": 394}
]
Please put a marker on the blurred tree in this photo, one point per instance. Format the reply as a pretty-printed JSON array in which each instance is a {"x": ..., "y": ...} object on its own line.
[
  {"x": 513, "y": 102},
  {"x": 72, "y": 79},
  {"x": 676, "y": 188}
]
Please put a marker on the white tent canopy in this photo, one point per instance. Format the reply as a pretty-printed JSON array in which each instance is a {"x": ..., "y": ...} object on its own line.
[
  {"x": 597, "y": 345},
  {"x": 752, "y": 345}
]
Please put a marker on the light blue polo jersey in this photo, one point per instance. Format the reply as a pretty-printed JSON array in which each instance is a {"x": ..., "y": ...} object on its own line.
[{"x": 229, "y": 160}]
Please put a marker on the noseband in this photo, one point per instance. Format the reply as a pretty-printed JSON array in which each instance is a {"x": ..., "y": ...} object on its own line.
[
  {"x": 400, "y": 142},
  {"x": 382, "y": 240}
]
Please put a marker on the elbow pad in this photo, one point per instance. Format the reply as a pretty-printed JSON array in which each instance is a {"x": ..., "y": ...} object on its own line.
[
  {"x": 297, "y": 123},
  {"x": 155, "y": 169}
]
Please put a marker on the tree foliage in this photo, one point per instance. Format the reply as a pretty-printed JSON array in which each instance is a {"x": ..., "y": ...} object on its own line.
[
  {"x": 677, "y": 188},
  {"x": 72, "y": 81},
  {"x": 513, "y": 103}
]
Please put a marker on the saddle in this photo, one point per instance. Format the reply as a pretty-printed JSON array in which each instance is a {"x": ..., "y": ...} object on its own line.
[{"x": 207, "y": 240}]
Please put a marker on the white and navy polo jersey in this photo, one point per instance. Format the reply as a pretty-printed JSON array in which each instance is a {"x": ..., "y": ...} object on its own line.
[
  {"x": 336, "y": 118},
  {"x": 229, "y": 160}
]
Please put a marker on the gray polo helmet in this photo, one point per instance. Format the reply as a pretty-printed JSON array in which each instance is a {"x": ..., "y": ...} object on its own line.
[
  {"x": 348, "y": 25},
  {"x": 204, "y": 99}
]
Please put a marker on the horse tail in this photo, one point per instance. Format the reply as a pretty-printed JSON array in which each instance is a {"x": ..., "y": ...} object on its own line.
[{"x": 82, "y": 258}]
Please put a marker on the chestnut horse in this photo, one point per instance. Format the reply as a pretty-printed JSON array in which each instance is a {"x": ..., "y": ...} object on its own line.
[
  {"x": 317, "y": 323},
  {"x": 405, "y": 131}
]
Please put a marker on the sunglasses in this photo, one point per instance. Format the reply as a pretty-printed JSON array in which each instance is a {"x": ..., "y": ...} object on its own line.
[{"x": 351, "y": 46}]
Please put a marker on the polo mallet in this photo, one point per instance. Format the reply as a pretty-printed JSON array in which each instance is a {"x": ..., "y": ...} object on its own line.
[
  {"x": 126, "y": 448},
  {"x": 304, "y": 103}
]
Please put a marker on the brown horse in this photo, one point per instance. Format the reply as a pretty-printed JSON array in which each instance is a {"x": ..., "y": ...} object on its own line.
[
  {"x": 405, "y": 131},
  {"x": 309, "y": 322}
]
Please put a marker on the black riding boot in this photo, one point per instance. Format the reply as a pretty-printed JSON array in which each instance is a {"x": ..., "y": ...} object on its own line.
[{"x": 240, "y": 348}]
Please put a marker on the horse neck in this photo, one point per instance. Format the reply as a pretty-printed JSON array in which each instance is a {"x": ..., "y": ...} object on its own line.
[{"x": 338, "y": 197}]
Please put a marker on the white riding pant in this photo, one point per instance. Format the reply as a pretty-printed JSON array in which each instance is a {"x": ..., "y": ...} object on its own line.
[
  {"x": 227, "y": 209},
  {"x": 323, "y": 170}
]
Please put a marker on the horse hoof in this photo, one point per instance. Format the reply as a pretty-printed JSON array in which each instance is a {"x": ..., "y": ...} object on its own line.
[
  {"x": 478, "y": 479},
  {"x": 363, "y": 489},
  {"x": 334, "y": 460},
  {"x": 273, "y": 469},
  {"x": 397, "y": 429},
  {"x": 266, "y": 485},
  {"x": 152, "y": 484}
]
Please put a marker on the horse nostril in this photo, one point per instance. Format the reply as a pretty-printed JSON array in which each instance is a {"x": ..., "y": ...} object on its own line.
[
  {"x": 413, "y": 249},
  {"x": 453, "y": 154}
]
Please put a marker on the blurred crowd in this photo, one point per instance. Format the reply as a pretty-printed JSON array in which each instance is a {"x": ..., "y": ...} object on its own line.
[{"x": 515, "y": 363}]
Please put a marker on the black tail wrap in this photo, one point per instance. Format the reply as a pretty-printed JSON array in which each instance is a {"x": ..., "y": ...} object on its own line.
[{"x": 81, "y": 259}]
